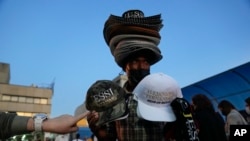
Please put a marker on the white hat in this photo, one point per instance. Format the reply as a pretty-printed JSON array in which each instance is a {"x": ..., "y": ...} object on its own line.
[{"x": 154, "y": 94}]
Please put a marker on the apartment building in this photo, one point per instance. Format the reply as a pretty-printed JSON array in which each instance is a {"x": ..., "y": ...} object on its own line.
[{"x": 23, "y": 100}]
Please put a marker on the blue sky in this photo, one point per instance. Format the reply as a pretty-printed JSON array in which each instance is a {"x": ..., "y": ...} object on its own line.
[{"x": 62, "y": 41}]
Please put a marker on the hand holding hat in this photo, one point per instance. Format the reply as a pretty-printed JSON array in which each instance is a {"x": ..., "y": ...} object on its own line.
[{"x": 108, "y": 99}]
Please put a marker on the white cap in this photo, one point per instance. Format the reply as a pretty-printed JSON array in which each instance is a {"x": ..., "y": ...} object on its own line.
[{"x": 154, "y": 94}]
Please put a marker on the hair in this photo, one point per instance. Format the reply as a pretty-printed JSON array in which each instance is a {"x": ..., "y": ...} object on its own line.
[
  {"x": 226, "y": 105},
  {"x": 247, "y": 100},
  {"x": 202, "y": 102}
]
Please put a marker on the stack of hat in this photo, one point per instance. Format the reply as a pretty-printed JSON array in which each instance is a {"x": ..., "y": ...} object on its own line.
[{"x": 133, "y": 34}]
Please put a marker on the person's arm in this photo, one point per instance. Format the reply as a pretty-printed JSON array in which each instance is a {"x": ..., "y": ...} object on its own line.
[
  {"x": 12, "y": 124},
  {"x": 6, "y": 121}
]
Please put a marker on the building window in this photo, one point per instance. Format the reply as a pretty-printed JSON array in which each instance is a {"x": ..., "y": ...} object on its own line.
[
  {"x": 29, "y": 100},
  {"x": 44, "y": 101},
  {"x": 23, "y": 99},
  {"x": 37, "y": 100},
  {"x": 6, "y": 98},
  {"x": 14, "y": 98},
  {"x": 25, "y": 114}
]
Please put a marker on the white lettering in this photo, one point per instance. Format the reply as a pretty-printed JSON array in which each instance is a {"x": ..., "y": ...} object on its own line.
[
  {"x": 104, "y": 96},
  {"x": 239, "y": 132},
  {"x": 159, "y": 97},
  {"x": 243, "y": 131},
  {"x": 192, "y": 132}
]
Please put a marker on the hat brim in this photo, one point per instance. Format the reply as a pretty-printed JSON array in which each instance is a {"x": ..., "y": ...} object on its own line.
[
  {"x": 117, "y": 112},
  {"x": 147, "y": 112},
  {"x": 118, "y": 38}
]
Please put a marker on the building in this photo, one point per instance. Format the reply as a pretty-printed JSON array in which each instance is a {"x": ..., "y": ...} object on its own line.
[{"x": 23, "y": 100}]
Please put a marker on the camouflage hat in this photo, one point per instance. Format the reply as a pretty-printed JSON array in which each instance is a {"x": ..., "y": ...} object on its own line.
[{"x": 108, "y": 99}]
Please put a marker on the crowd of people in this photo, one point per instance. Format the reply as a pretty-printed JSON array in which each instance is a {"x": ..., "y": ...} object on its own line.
[{"x": 133, "y": 40}]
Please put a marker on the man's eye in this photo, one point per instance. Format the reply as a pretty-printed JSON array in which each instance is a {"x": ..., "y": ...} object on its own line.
[{"x": 134, "y": 62}]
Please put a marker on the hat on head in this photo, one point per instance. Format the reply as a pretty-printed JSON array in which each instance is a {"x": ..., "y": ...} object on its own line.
[
  {"x": 108, "y": 99},
  {"x": 133, "y": 30},
  {"x": 154, "y": 94}
]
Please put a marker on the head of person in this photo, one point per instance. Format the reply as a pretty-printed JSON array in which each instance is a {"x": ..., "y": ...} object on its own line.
[
  {"x": 225, "y": 107},
  {"x": 247, "y": 100},
  {"x": 136, "y": 68},
  {"x": 202, "y": 102},
  {"x": 133, "y": 41}
]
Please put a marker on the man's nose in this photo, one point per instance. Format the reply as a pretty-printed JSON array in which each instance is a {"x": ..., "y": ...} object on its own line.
[{"x": 143, "y": 65}]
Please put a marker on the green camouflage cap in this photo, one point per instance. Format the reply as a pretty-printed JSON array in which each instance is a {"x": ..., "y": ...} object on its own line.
[{"x": 108, "y": 99}]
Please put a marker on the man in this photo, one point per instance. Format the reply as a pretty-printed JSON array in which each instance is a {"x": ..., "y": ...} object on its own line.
[
  {"x": 12, "y": 124},
  {"x": 233, "y": 117},
  {"x": 133, "y": 40},
  {"x": 247, "y": 110}
]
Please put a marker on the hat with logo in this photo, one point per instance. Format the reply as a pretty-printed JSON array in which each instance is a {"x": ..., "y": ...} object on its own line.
[
  {"x": 154, "y": 94},
  {"x": 108, "y": 99}
]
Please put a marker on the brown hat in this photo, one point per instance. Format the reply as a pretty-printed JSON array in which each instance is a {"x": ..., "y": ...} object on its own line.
[
  {"x": 130, "y": 18},
  {"x": 138, "y": 34}
]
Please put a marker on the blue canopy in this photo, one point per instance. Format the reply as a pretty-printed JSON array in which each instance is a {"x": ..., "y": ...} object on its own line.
[{"x": 232, "y": 85}]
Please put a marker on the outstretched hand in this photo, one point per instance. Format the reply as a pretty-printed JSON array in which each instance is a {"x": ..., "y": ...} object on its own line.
[{"x": 63, "y": 124}]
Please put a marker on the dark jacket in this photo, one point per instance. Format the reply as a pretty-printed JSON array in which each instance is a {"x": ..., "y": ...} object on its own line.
[
  {"x": 11, "y": 124},
  {"x": 210, "y": 125}
]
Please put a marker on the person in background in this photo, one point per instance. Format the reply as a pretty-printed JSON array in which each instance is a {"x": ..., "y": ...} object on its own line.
[
  {"x": 12, "y": 124},
  {"x": 210, "y": 123},
  {"x": 247, "y": 109},
  {"x": 246, "y": 112},
  {"x": 133, "y": 40},
  {"x": 233, "y": 117}
]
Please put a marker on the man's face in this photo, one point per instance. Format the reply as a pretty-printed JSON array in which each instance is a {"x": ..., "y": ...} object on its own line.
[
  {"x": 137, "y": 64},
  {"x": 136, "y": 69}
]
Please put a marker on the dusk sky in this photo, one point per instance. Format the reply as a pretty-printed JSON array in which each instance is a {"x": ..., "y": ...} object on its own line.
[{"x": 62, "y": 41}]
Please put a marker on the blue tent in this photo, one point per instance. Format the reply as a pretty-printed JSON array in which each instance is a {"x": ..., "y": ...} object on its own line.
[
  {"x": 84, "y": 132},
  {"x": 232, "y": 85}
]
